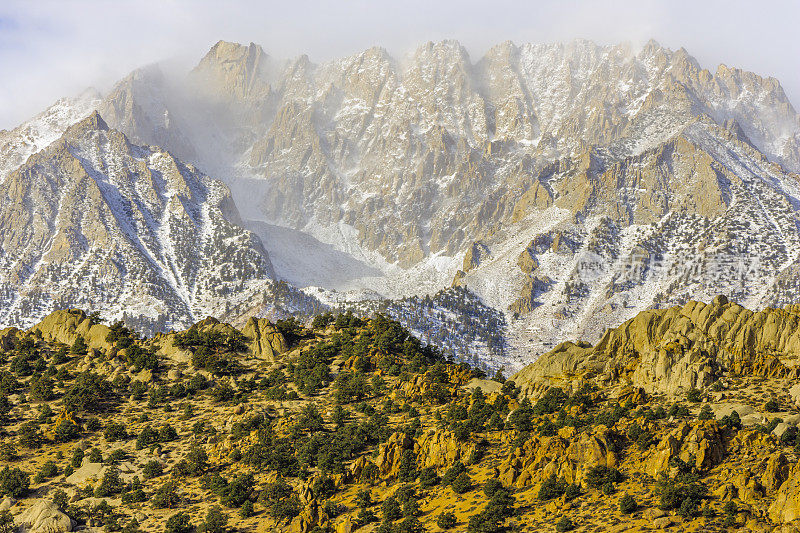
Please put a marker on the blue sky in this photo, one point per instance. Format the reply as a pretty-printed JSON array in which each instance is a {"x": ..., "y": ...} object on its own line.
[{"x": 50, "y": 48}]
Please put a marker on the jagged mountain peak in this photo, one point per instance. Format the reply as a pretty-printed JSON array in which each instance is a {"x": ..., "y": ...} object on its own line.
[
  {"x": 150, "y": 74},
  {"x": 30, "y": 137},
  {"x": 235, "y": 71},
  {"x": 225, "y": 50},
  {"x": 372, "y": 55},
  {"x": 737, "y": 81},
  {"x": 226, "y": 55},
  {"x": 682, "y": 59},
  {"x": 301, "y": 63},
  {"x": 445, "y": 51},
  {"x": 146, "y": 107},
  {"x": 376, "y": 51},
  {"x": 651, "y": 46},
  {"x": 93, "y": 122}
]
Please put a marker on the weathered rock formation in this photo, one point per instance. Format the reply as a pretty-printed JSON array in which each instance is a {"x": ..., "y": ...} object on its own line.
[
  {"x": 44, "y": 516},
  {"x": 475, "y": 254},
  {"x": 265, "y": 340},
  {"x": 65, "y": 326},
  {"x": 701, "y": 445},
  {"x": 561, "y": 455},
  {"x": 677, "y": 349},
  {"x": 786, "y": 506}
]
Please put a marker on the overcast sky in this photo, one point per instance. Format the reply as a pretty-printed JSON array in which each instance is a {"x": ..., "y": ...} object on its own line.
[{"x": 50, "y": 49}]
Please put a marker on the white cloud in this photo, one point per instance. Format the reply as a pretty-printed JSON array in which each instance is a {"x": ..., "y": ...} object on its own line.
[{"x": 52, "y": 48}]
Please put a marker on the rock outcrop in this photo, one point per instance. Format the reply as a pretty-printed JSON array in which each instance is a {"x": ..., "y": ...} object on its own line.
[
  {"x": 44, "y": 516},
  {"x": 65, "y": 326},
  {"x": 786, "y": 506},
  {"x": 265, "y": 340},
  {"x": 441, "y": 449},
  {"x": 527, "y": 260},
  {"x": 390, "y": 453},
  {"x": 531, "y": 289},
  {"x": 680, "y": 348},
  {"x": 560, "y": 455},
  {"x": 775, "y": 472},
  {"x": 476, "y": 253},
  {"x": 702, "y": 446}
]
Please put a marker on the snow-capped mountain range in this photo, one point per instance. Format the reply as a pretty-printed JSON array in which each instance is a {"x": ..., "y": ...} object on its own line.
[{"x": 565, "y": 186}]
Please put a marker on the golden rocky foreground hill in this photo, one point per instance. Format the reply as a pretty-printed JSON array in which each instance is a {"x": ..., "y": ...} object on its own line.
[{"x": 681, "y": 419}]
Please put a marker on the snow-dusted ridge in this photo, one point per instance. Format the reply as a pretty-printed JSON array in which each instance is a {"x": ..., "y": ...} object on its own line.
[
  {"x": 45, "y": 128},
  {"x": 93, "y": 221}
]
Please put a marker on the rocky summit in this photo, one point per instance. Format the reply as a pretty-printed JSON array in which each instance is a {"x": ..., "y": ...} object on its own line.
[{"x": 682, "y": 419}]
